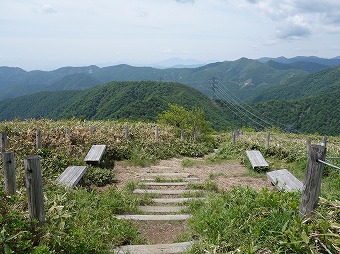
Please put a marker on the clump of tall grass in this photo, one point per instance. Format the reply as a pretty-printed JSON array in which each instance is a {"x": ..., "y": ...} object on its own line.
[{"x": 243, "y": 220}]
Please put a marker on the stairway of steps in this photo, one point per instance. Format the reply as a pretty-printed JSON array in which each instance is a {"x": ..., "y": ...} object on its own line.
[{"x": 167, "y": 207}]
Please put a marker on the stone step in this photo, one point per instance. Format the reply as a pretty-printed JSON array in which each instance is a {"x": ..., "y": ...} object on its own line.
[
  {"x": 170, "y": 248},
  {"x": 162, "y": 217},
  {"x": 167, "y": 175},
  {"x": 165, "y": 183},
  {"x": 184, "y": 179},
  {"x": 162, "y": 209},
  {"x": 174, "y": 200},
  {"x": 165, "y": 192}
]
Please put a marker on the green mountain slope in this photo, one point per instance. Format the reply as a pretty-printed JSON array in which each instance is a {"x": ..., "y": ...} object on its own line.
[
  {"x": 78, "y": 81},
  {"x": 319, "y": 83},
  {"x": 319, "y": 114},
  {"x": 304, "y": 66},
  {"x": 142, "y": 100}
]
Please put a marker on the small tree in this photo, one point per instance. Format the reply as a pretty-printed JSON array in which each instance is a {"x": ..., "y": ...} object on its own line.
[
  {"x": 176, "y": 116},
  {"x": 179, "y": 117}
]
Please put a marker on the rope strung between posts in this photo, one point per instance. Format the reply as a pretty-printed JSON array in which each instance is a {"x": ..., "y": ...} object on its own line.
[{"x": 328, "y": 164}]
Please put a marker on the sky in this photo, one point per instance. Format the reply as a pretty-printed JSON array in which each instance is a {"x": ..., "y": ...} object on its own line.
[{"x": 46, "y": 35}]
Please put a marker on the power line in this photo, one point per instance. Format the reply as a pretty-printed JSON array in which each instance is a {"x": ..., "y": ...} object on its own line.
[
  {"x": 241, "y": 110},
  {"x": 236, "y": 110},
  {"x": 240, "y": 106}
]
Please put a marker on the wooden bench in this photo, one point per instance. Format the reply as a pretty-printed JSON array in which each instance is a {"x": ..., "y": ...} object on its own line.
[
  {"x": 284, "y": 180},
  {"x": 95, "y": 154},
  {"x": 71, "y": 176},
  {"x": 256, "y": 159}
]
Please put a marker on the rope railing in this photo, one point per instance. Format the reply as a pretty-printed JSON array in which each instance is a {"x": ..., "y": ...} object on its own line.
[{"x": 328, "y": 164}]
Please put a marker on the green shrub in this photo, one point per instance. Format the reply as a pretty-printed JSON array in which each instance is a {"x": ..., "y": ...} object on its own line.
[
  {"x": 15, "y": 235},
  {"x": 97, "y": 176}
]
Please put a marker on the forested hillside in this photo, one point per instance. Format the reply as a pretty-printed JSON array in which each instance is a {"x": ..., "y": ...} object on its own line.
[
  {"x": 144, "y": 100},
  {"x": 319, "y": 83},
  {"x": 318, "y": 114},
  {"x": 117, "y": 100}
]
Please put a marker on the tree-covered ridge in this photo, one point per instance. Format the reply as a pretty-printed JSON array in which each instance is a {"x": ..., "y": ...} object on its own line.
[
  {"x": 140, "y": 100},
  {"x": 319, "y": 83},
  {"x": 145, "y": 100},
  {"x": 319, "y": 114}
]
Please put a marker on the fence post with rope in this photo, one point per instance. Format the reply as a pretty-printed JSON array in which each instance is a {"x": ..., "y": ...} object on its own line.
[{"x": 312, "y": 181}]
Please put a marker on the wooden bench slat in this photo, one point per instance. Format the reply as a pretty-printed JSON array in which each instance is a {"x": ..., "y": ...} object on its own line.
[
  {"x": 256, "y": 159},
  {"x": 284, "y": 180},
  {"x": 95, "y": 154},
  {"x": 72, "y": 175}
]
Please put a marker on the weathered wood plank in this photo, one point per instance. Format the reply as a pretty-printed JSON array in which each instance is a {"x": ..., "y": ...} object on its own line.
[
  {"x": 72, "y": 175},
  {"x": 9, "y": 172},
  {"x": 165, "y": 192},
  {"x": 162, "y": 209},
  {"x": 174, "y": 200},
  {"x": 162, "y": 217},
  {"x": 34, "y": 190},
  {"x": 284, "y": 180},
  {"x": 170, "y": 248},
  {"x": 256, "y": 159},
  {"x": 95, "y": 154}
]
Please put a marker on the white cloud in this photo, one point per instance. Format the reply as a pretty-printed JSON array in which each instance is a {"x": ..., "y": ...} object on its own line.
[
  {"x": 293, "y": 28},
  {"x": 48, "y": 9},
  {"x": 297, "y": 19}
]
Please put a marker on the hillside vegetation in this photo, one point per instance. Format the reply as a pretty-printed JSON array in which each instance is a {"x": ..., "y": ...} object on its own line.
[
  {"x": 318, "y": 114},
  {"x": 147, "y": 99},
  {"x": 320, "y": 83},
  {"x": 117, "y": 100}
]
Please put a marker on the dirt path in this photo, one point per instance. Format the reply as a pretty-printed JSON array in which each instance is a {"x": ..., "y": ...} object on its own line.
[{"x": 225, "y": 175}]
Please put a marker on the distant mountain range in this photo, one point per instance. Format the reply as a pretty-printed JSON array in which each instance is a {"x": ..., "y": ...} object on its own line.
[
  {"x": 331, "y": 62},
  {"x": 244, "y": 77}
]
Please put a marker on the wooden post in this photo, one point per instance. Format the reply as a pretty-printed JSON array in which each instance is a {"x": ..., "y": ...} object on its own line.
[
  {"x": 267, "y": 139},
  {"x": 3, "y": 142},
  {"x": 68, "y": 133},
  {"x": 127, "y": 132},
  {"x": 312, "y": 181},
  {"x": 9, "y": 172},
  {"x": 38, "y": 139},
  {"x": 34, "y": 190},
  {"x": 156, "y": 133},
  {"x": 182, "y": 135},
  {"x": 91, "y": 130},
  {"x": 324, "y": 141},
  {"x": 308, "y": 144},
  {"x": 233, "y": 137}
]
